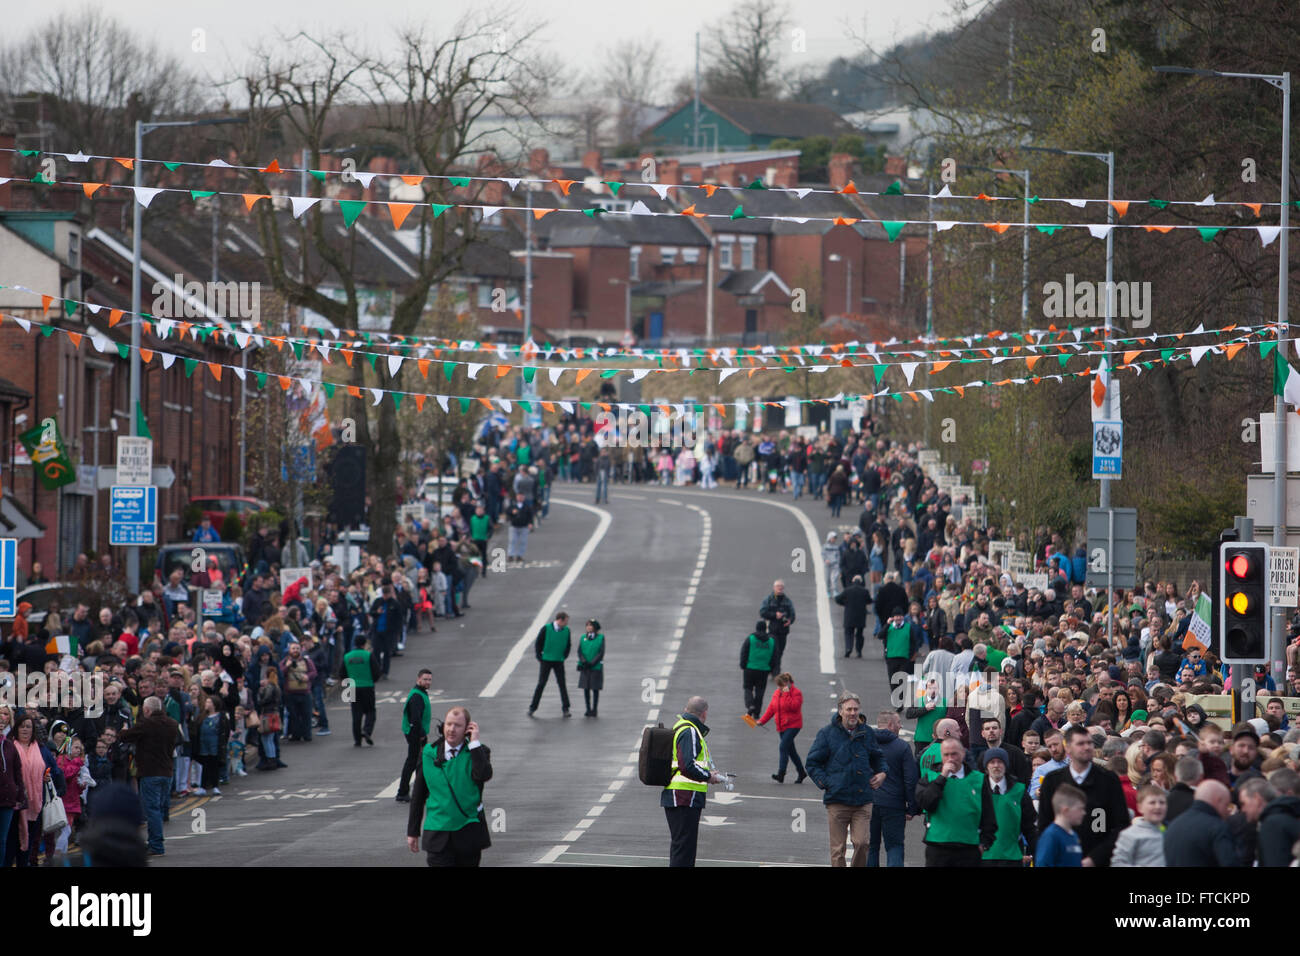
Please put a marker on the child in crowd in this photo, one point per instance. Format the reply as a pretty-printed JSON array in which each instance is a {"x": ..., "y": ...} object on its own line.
[{"x": 1059, "y": 844}]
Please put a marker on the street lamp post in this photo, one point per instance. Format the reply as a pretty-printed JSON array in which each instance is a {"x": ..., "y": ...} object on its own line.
[
  {"x": 142, "y": 128},
  {"x": 1277, "y": 648}
]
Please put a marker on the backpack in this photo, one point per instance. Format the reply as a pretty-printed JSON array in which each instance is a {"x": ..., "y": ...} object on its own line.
[{"x": 655, "y": 761}]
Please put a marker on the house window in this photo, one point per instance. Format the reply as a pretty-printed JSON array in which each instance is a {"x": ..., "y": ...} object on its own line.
[
  {"x": 613, "y": 205},
  {"x": 690, "y": 256},
  {"x": 634, "y": 262},
  {"x": 668, "y": 255},
  {"x": 725, "y": 251},
  {"x": 747, "y": 255}
]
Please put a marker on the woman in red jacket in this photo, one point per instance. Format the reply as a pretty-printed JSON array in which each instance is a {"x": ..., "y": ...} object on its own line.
[{"x": 787, "y": 707}]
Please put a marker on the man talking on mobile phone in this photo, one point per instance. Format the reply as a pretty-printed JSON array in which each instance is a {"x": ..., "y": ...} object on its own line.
[{"x": 447, "y": 797}]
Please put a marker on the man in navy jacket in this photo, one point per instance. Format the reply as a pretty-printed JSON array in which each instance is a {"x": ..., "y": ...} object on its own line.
[
  {"x": 846, "y": 762},
  {"x": 895, "y": 801}
]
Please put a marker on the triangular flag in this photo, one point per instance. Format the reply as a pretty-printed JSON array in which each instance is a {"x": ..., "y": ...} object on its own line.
[
  {"x": 90, "y": 188},
  {"x": 250, "y": 198},
  {"x": 894, "y": 189},
  {"x": 144, "y": 195},
  {"x": 1121, "y": 206},
  {"x": 398, "y": 211},
  {"x": 1254, "y": 207},
  {"x": 849, "y": 189},
  {"x": 1048, "y": 230},
  {"x": 1268, "y": 233},
  {"x": 998, "y": 227},
  {"x": 141, "y": 423},
  {"x": 351, "y": 208},
  {"x": 274, "y": 167},
  {"x": 439, "y": 209},
  {"x": 1100, "y": 232},
  {"x": 301, "y": 204},
  {"x": 892, "y": 229},
  {"x": 1208, "y": 232}
]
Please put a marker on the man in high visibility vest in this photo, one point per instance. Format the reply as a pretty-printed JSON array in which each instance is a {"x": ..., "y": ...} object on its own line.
[
  {"x": 688, "y": 786},
  {"x": 363, "y": 670},
  {"x": 417, "y": 714},
  {"x": 447, "y": 797}
]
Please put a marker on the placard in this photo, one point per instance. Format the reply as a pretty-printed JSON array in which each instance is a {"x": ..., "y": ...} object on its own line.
[
  {"x": 1283, "y": 579},
  {"x": 966, "y": 491},
  {"x": 134, "y": 461},
  {"x": 212, "y": 602},
  {"x": 1039, "y": 581},
  {"x": 1019, "y": 562},
  {"x": 1000, "y": 551},
  {"x": 289, "y": 575}
]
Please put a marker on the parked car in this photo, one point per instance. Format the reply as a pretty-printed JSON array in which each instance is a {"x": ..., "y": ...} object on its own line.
[
  {"x": 229, "y": 554},
  {"x": 216, "y": 507},
  {"x": 63, "y": 597}
]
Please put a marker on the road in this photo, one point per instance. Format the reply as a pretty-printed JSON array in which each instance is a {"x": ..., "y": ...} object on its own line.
[{"x": 675, "y": 576}]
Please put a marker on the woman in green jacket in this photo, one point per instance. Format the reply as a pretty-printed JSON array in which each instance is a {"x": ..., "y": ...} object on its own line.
[{"x": 591, "y": 667}]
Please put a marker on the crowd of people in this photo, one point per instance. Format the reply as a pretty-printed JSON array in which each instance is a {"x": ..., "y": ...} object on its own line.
[{"x": 1020, "y": 708}]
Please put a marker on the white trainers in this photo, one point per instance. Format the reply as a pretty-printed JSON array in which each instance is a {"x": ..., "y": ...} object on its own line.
[
  {"x": 198, "y": 792},
  {"x": 216, "y": 791}
]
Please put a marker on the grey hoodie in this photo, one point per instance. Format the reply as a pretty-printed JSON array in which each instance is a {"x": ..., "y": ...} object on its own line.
[{"x": 1141, "y": 843}]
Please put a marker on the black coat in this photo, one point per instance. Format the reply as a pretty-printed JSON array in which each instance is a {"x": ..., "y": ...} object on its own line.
[
  {"x": 1279, "y": 829},
  {"x": 852, "y": 562},
  {"x": 1199, "y": 837},
  {"x": 854, "y": 599},
  {"x": 1104, "y": 792},
  {"x": 1178, "y": 800},
  {"x": 891, "y": 599}
]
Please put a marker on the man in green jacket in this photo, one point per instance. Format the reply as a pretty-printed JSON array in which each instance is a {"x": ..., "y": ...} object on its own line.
[
  {"x": 447, "y": 798},
  {"x": 480, "y": 529},
  {"x": 960, "y": 820},
  {"x": 416, "y": 717},
  {"x": 362, "y": 669},
  {"x": 552, "y": 649},
  {"x": 757, "y": 652}
]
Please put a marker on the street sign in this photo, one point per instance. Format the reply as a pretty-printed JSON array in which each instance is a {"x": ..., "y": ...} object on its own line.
[
  {"x": 134, "y": 460},
  {"x": 1107, "y": 450},
  {"x": 1283, "y": 577},
  {"x": 8, "y": 578},
  {"x": 133, "y": 515},
  {"x": 1103, "y": 552},
  {"x": 963, "y": 491},
  {"x": 162, "y": 475}
]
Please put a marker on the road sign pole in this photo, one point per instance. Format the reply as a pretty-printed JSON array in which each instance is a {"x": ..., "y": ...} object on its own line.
[{"x": 1110, "y": 577}]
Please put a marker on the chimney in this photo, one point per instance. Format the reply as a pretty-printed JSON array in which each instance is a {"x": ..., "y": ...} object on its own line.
[
  {"x": 539, "y": 161},
  {"x": 494, "y": 192},
  {"x": 725, "y": 174},
  {"x": 6, "y": 168},
  {"x": 670, "y": 172},
  {"x": 896, "y": 166},
  {"x": 591, "y": 159},
  {"x": 840, "y": 169},
  {"x": 787, "y": 176}
]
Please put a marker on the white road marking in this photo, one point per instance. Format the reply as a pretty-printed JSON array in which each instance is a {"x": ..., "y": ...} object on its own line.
[
  {"x": 389, "y": 791},
  {"x": 663, "y": 684},
  {"x": 606, "y": 797},
  {"x": 553, "y": 853},
  {"x": 625, "y": 772},
  {"x": 652, "y": 717},
  {"x": 595, "y": 811},
  {"x": 583, "y": 824},
  {"x": 572, "y": 835},
  {"x": 625, "y": 495},
  {"x": 616, "y": 785},
  {"x": 715, "y": 822},
  {"x": 547, "y": 610}
]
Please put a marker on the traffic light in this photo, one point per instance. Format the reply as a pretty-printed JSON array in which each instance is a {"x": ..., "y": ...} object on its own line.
[{"x": 1243, "y": 591}]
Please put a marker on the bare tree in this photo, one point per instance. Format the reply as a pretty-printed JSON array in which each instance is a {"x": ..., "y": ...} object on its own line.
[
  {"x": 433, "y": 103},
  {"x": 631, "y": 75},
  {"x": 86, "y": 78},
  {"x": 743, "y": 59}
]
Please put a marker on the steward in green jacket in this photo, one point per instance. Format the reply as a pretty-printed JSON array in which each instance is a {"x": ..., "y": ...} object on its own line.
[
  {"x": 447, "y": 797},
  {"x": 758, "y": 656},
  {"x": 960, "y": 820}
]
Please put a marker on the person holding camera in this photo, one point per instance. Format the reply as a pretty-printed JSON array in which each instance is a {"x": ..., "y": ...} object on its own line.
[
  {"x": 447, "y": 796},
  {"x": 778, "y": 610}
]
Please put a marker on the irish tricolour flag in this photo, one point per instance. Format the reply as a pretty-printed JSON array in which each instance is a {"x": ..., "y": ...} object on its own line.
[
  {"x": 62, "y": 645},
  {"x": 1198, "y": 629}
]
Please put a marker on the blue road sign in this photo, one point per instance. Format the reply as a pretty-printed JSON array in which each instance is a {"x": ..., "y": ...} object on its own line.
[
  {"x": 133, "y": 515},
  {"x": 8, "y": 577},
  {"x": 1107, "y": 450}
]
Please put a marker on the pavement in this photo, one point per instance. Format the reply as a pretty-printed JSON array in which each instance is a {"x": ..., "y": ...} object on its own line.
[{"x": 675, "y": 576}]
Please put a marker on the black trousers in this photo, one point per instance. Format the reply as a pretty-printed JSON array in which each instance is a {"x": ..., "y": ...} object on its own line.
[
  {"x": 780, "y": 650},
  {"x": 853, "y": 639},
  {"x": 684, "y": 828},
  {"x": 755, "y": 683},
  {"x": 363, "y": 707},
  {"x": 951, "y": 854},
  {"x": 385, "y": 648},
  {"x": 414, "y": 748},
  {"x": 894, "y": 665},
  {"x": 457, "y": 848},
  {"x": 542, "y": 675}
]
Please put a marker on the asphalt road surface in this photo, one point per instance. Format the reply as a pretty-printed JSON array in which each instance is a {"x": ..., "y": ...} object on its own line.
[{"x": 675, "y": 576}]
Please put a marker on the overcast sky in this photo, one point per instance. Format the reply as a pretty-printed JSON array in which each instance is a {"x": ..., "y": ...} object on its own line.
[{"x": 574, "y": 31}]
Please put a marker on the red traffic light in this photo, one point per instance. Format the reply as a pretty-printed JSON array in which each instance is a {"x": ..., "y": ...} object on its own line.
[{"x": 1240, "y": 566}]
